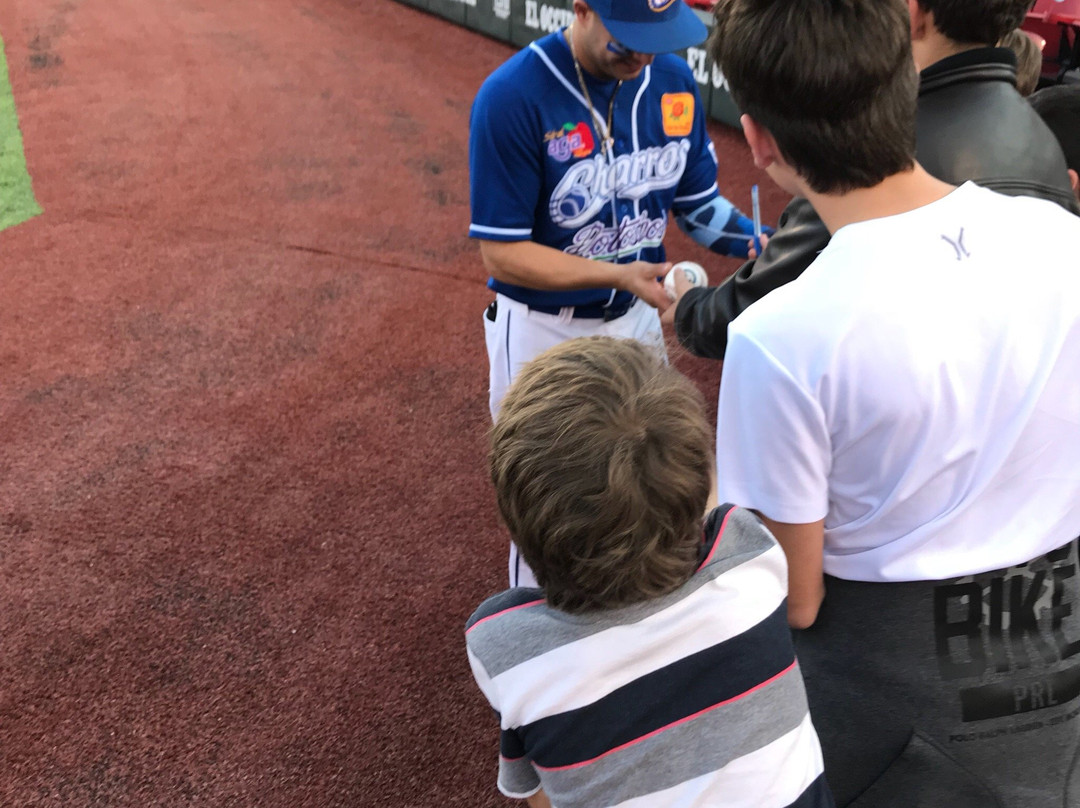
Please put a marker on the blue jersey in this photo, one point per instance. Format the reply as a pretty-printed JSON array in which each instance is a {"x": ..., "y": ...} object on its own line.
[{"x": 538, "y": 173}]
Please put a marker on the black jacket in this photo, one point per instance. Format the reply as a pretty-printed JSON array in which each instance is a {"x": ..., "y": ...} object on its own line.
[{"x": 972, "y": 124}]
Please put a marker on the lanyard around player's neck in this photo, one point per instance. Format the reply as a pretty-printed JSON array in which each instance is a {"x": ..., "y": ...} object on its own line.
[{"x": 607, "y": 141}]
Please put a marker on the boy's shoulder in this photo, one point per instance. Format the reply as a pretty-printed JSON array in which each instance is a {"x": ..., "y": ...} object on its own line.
[
  {"x": 516, "y": 626},
  {"x": 503, "y": 603},
  {"x": 733, "y": 535}
]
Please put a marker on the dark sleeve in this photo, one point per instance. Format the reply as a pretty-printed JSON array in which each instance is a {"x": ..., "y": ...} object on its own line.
[{"x": 702, "y": 318}]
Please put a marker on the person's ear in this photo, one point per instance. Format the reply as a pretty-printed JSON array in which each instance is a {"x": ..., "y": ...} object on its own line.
[
  {"x": 762, "y": 144},
  {"x": 921, "y": 21},
  {"x": 581, "y": 11},
  {"x": 1074, "y": 178}
]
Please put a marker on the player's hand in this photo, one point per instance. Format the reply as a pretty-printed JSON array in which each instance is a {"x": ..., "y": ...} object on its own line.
[
  {"x": 640, "y": 279},
  {"x": 682, "y": 286},
  {"x": 754, "y": 252}
]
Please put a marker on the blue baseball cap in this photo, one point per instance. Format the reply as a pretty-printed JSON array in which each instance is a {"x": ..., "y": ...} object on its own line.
[{"x": 651, "y": 26}]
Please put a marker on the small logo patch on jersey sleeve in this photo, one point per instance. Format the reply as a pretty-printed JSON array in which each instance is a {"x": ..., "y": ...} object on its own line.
[
  {"x": 678, "y": 109},
  {"x": 573, "y": 140}
]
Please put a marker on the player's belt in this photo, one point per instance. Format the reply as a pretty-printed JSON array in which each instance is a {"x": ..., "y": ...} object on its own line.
[{"x": 595, "y": 311}]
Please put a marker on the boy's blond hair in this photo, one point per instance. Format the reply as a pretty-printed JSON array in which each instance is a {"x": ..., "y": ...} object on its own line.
[{"x": 1028, "y": 60}]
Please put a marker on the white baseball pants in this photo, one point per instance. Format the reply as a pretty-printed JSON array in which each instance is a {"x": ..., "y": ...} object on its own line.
[{"x": 519, "y": 334}]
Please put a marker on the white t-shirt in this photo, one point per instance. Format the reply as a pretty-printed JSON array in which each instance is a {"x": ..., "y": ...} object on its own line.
[{"x": 918, "y": 387}]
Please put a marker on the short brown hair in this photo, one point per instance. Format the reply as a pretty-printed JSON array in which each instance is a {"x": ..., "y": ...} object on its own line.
[
  {"x": 601, "y": 458},
  {"x": 832, "y": 80},
  {"x": 976, "y": 22}
]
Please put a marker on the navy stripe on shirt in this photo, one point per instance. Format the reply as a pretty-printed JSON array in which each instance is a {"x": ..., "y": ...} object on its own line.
[
  {"x": 663, "y": 697},
  {"x": 817, "y": 795},
  {"x": 510, "y": 745}
]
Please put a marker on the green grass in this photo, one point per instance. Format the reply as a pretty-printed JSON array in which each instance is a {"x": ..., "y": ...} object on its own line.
[{"x": 17, "y": 202}]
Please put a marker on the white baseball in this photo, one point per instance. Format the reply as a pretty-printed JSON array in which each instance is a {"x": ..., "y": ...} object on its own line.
[{"x": 695, "y": 273}]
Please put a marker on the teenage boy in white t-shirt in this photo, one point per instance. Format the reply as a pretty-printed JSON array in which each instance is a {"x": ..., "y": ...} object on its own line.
[{"x": 906, "y": 418}]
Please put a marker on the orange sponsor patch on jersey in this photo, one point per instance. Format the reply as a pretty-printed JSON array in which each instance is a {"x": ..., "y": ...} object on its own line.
[{"x": 678, "y": 109}]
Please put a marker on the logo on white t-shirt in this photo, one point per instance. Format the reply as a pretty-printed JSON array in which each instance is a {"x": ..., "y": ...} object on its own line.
[{"x": 958, "y": 245}]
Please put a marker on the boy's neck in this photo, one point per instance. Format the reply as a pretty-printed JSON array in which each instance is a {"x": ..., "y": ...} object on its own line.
[
  {"x": 933, "y": 48},
  {"x": 897, "y": 194}
]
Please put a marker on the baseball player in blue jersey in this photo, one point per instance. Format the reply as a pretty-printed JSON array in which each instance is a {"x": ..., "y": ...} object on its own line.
[{"x": 580, "y": 145}]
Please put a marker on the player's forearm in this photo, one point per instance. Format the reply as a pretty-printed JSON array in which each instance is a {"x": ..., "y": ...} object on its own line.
[
  {"x": 534, "y": 266},
  {"x": 721, "y": 227},
  {"x": 702, "y": 316}
]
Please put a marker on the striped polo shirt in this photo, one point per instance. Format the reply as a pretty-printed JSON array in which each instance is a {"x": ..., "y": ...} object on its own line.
[{"x": 691, "y": 699}]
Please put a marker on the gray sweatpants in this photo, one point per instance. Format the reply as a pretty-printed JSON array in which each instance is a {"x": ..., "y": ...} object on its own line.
[{"x": 952, "y": 693}]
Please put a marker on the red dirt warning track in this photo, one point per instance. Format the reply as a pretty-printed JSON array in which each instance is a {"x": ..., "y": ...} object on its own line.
[{"x": 243, "y": 503}]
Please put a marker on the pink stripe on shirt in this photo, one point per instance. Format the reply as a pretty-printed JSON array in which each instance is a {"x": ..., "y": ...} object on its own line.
[
  {"x": 655, "y": 732},
  {"x": 505, "y": 611}
]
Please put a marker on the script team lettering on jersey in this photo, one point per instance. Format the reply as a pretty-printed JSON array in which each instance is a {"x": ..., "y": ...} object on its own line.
[{"x": 588, "y": 185}]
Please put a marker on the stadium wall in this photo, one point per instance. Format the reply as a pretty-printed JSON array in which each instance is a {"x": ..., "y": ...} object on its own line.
[{"x": 519, "y": 22}]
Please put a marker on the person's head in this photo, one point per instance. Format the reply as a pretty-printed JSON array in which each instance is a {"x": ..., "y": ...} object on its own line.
[
  {"x": 827, "y": 88},
  {"x": 967, "y": 22},
  {"x": 601, "y": 457},
  {"x": 1028, "y": 59},
  {"x": 1059, "y": 107},
  {"x": 615, "y": 39}
]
